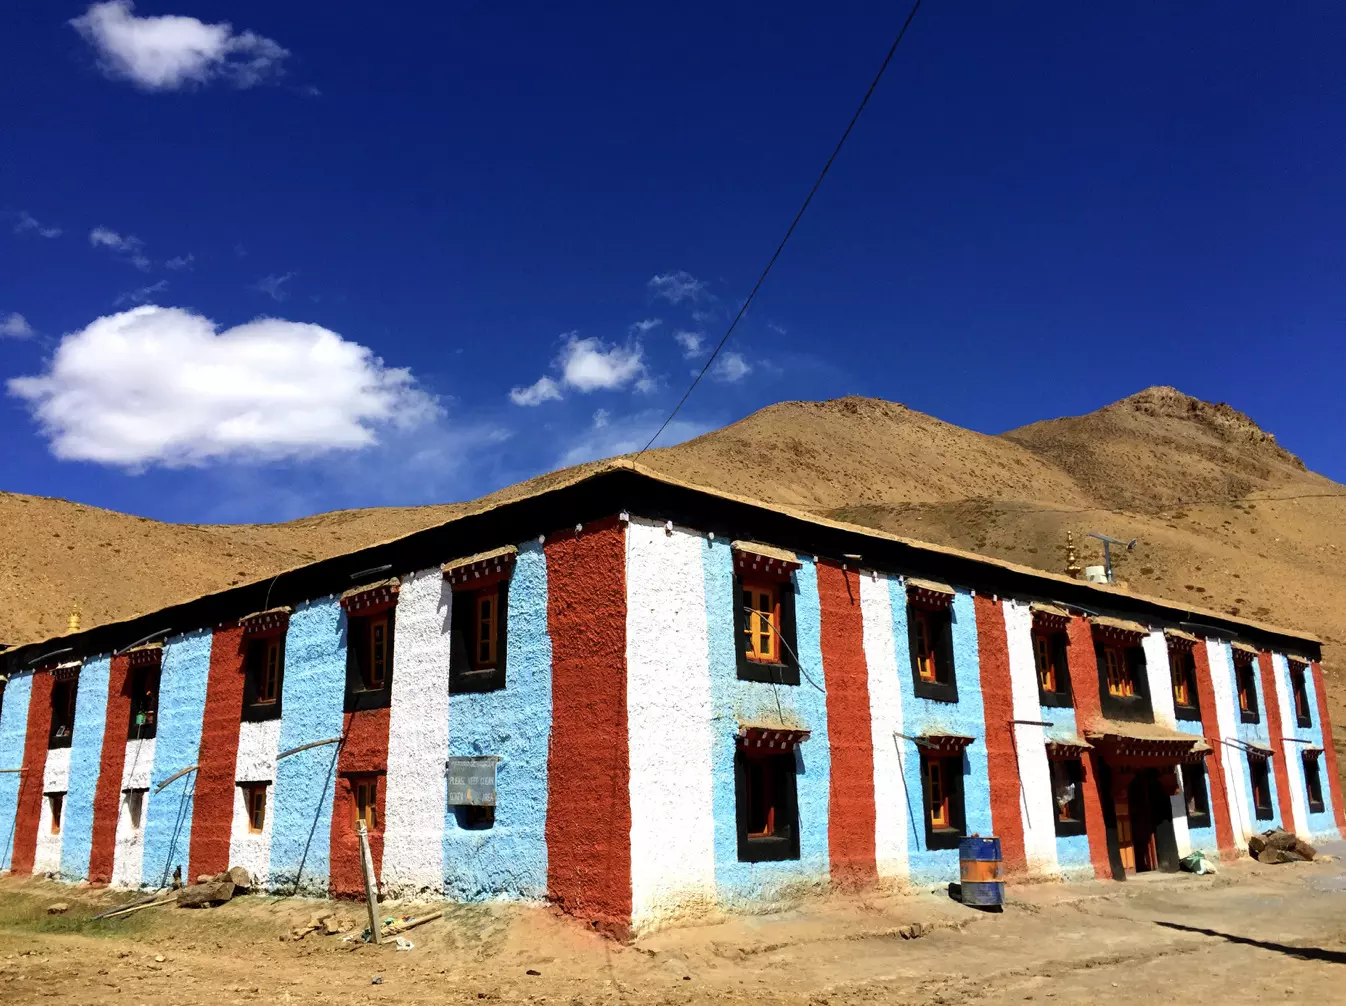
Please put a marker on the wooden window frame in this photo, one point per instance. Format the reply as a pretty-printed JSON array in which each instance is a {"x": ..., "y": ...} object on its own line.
[
  {"x": 1182, "y": 671},
  {"x": 761, "y": 625},
  {"x": 366, "y": 783},
  {"x": 778, "y": 771},
  {"x": 1136, "y": 706},
  {"x": 785, "y": 669},
  {"x": 361, "y": 691},
  {"x": 140, "y": 678},
  {"x": 950, "y": 770},
  {"x": 1299, "y": 694},
  {"x": 466, "y": 672},
  {"x": 70, "y": 688},
  {"x": 1259, "y": 781},
  {"x": 135, "y": 806},
  {"x": 256, "y": 664},
  {"x": 1195, "y": 784},
  {"x": 252, "y": 791},
  {"x": 1245, "y": 673},
  {"x": 1313, "y": 782},
  {"x": 1052, "y": 646},
  {"x": 1069, "y": 771},
  {"x": 56, "y": 807},
  {"x": 939, "y": 660}
]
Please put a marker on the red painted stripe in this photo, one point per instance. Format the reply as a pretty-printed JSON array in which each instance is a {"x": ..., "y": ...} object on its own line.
[
  {"x": 1272, "y": 699},
  {"x": 107, "y": 798},
  {"x": 588, "y": 768},
  {"x": 1215, "y": 777},
  {"x": 850, "y": 808},
  {"x": 365, "y": 751},
  {"x": 997, "y": 697},
  {"x": 29, "y": 810},
  {"x": 1333, "y": 780},
  {"x": 213, "y": 814},
  {"x": 1088, "y": 712}
]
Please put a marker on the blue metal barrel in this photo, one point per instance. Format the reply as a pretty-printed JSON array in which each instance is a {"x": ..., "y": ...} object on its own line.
[{"x": 979, "y": 872}]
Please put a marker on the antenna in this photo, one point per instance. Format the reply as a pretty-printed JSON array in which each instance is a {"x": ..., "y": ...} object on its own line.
[{"x": 1107, "y": 550}]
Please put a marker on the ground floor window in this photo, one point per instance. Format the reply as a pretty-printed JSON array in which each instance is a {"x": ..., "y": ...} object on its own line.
[
  {"x": 135, "y": 806},
  {"x": 1261, "y": 784},
  {"x": 1068, "y": 795},
  {"x": 942, "y": 782},
  {"x": 768, "y": 818},
  {"x": 365, "y": 801},
  {"x": 56, "y": 803},
  {"x": 254, "y": 802},
  {"x": 1195, "y": 795},
  {"x": 1313, "y": 782}
]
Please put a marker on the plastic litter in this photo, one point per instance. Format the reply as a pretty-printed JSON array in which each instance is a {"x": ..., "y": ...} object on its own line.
[
  {"x": 405, "y": 944},
  {"x": 1197, "y": 863}
]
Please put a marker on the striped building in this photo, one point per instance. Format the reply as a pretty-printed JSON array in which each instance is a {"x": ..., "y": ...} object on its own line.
[{"x": 641, "y": 700}]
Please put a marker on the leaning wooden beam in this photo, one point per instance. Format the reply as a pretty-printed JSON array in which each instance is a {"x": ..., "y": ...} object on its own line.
[
  {"x": 367, "y": 870},
  {"x": 135, "y": 908},
  {"x": 305, "y": 747},
  {"x": 402, "y": 927},
  {"x": 175, "y": 777}
]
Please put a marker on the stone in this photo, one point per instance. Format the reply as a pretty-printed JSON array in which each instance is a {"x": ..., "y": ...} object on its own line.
[
  {"x": 242, "y": 879},
  {"x": 330, "y": 926},
  {"x": 60, "y": 908},
  {"x": 211, "y": 893},
  {"x": 205, "y": 878}
]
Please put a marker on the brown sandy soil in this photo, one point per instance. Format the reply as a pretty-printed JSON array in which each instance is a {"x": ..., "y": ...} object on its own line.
[
  {"x": 1253, "y": 934},
  {"x": 1268, "y": 543}
]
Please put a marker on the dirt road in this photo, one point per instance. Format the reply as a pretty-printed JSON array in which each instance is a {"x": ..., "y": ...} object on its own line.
[{"x": 1253, "y": 934}]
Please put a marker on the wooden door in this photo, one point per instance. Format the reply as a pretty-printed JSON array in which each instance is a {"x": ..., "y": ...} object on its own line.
[{"x": 1126, "y": 849}]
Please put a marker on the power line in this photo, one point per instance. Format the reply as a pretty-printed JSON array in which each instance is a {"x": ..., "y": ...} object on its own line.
[{"x": 793, "y": 224}]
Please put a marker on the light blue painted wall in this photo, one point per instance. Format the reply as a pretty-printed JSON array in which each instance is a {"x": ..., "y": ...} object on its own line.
[
  {"x": 1248, "y": 733},
  {"x": 965, "y": 717},
  {"x": 1072, "y": 851},
  {"x": 1322, "y": 825},
  {"x": 86, "y": 757},
  {"x": 803, "y": 705},
  {"x": 313, "y": 695},
  {"x": 13, "y": 733},
  {"x": 182, "y": 705},
  {"x": 1203, "y": 838},
  {"x": 509, "y": 859}
]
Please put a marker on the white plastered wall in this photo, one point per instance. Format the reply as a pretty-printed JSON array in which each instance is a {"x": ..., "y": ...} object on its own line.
[
  {"x": 55, "y": 779},
  {"x": 1160, "y": 679},
  {"x": 668, "y": 709},
  {"x": 885, "y": 718},
  {"x": 1035, "y": 780},
  {"x": 256, "y": 762},
  {"x": 130, "y": 841}
]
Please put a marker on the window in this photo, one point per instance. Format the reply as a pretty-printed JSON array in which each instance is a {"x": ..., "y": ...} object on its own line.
[
  {"x": 478, "y": 648},
  {"x": 62, "y": 713},
  {"x": 365, "y": 800},
  {"x": 1122, "y": 685},
  {"x": 1246, "y": 677},
  {"x": 761, "y": 606},
  {"x": 768, "y": 827},
  {"x": 56, "y": 802},
  {"x": 264, "y": 677},
  {"x": 1313, "y": 782},
  {"x": 369, "y": 660},
  {"x": 1195, "y": 794},
  {"x": 254, "y": 805},
  {"x": 764, "y": 626},
  {"x": 135, "y": 806},
  {"x": 1303, "y": 710},
  {"x": 1120, "y": 682},
  {"x": 144, "y": 702},
  {"x": 1261, "y": 784},
  {"x": 1068, "y": 795},
  {"x": 1182, "y": 667},
  {"x": 1049, "y": 655},
  {"x": 377, "y": 645},
  {"x": 942, "y": 782},
  {"x": 930, "y": 636}
]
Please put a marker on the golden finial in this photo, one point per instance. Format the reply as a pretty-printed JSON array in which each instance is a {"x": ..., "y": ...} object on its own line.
[
  {"x": 73, "y": 624},
  {"x": 1073, "y": 567}
]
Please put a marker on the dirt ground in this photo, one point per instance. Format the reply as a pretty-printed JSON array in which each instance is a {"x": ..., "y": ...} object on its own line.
[{"x": 1252, "y": 934}]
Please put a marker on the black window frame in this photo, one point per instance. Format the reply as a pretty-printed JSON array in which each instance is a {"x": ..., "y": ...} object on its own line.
[
  {"x": 463, "y": 676},
  {"x": 775, "y": 848},
  {"x": 787, "y": 671},
  {"x": 1259, "y": 769},
  {"x": 1059, "y": 641},
  {"x": 1074, "y": 770},
  {"x": 1195, "y": 783},
  {"x": 1137, "y": 708},
  {"x": 943, "y": 689},
  {"x": 1247, "y": 664},
  {"x": 1299, "y": 686},
  {"x": 1185, "y": 654},
  {"x": 135, "y": 680},
  {"x": 944, "y": 838},
  {"x": 1313, "y": 780},
  {"x": 358, "y": 697},
  {"x": 254, "y": 663},
  {"x": 54, "y": 741}
]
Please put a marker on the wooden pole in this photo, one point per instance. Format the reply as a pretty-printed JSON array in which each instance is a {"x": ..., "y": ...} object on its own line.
[{"x": 367, "y": 868}]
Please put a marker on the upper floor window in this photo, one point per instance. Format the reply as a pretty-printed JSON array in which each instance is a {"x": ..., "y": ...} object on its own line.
[
  {"x": 1122, "y": 680},
  {"x": 764, "y": 622},
  {"x": 63, "y": 692},
  {"x": 1182, "y": 670},
  {"x": 144, "y": 702},
  {"x": 761, "y": 606},
  {"x": 1299, "y": 690},
  {"x": 264, "y": 663},
  {"x": 930, "y": 639},
  {"x": 1051, "y": 645},
  {"x": 370, "y": 625},
  {"x": 479, "y": 615},
  {"x": 1313, "y": 781},
  {"x": 1245, "y": 677},
  {"x": 1260, "y": 779}
]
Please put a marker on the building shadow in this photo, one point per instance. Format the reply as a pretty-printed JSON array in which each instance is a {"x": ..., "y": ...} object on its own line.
[{"x": 1303, "y": 953}]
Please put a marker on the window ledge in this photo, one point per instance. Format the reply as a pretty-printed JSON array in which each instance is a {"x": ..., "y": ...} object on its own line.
[
  {"x": 1056, "y": 700},
  {"x": 943, "y": 838},
  {"x": 490, "y": 679},
  {"x": 1265, "y": 815},
  {"x": 772, "y": 674},
  {"x": 1191, "y": 713},
  {"x": 1304, "y": 721},
  {"x": 260, "y": 712},
  {"x": 765, "y": 850},
  {"x": 1317, "y": 808},
  {"x": 1249, "y": 717},
  {"x": 1198, "y": 820},
  {"x": 1067, "y": 829},
  {"x": 936, "y": 691}
]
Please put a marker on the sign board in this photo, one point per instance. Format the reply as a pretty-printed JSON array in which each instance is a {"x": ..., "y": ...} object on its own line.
[{"x": 472, "y": 781}]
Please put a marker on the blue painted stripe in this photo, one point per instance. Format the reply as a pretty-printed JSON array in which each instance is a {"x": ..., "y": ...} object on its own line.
[
  {"x": 510, "y": 858},
  {"x": 965, "y": 717},
  {"x": 13, "y": 733},
  {"x": 1321, "y": 824},
  {"x": 182, "y": 704},
  {"x": 1072, "y": 851},
  {"x": 313, "y": 695},
  {"x": 1253, "y": 733},
  {"x": 86, "y": 757},
  {"x": 804, "y": 704}
]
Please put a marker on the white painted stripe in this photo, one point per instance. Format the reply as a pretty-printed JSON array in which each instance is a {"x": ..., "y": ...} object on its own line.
[
  {"x": 130, "y": 840},
  {"x": 885, "y": 719},
  {"x": 1178, "y": 808},
  {"x": 1035, "y": 779},
  {"x": 1292, "y": 752},
  {"x": 55, "y": 779},
  {"x": 1160, "y": 678},
  {"x": 668, "y": 711},
  {"x": 1221, "y": 675},
  {"x": 258, "y": 744},
  {"x": 418, "y": 740}
]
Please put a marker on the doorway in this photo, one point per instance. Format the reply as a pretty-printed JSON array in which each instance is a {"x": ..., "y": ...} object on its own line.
[{"x": 1149, "y": 826}]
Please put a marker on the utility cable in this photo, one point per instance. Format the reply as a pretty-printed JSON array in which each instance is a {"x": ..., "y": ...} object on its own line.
[{"x": 789, "y": 231}]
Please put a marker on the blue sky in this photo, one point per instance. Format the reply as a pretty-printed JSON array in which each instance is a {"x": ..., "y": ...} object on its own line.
[{"x": 336, "y": 251}]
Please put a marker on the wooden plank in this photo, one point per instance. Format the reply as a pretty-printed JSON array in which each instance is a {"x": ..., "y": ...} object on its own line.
[{"x": 367, "y": 869}]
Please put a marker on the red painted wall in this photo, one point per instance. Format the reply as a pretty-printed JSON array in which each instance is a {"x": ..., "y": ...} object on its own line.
[
  {"x": 107, "y": 798},
  {"x": 213, "y": 813},
  {"x": 850, "y": 813},
  {"x": 1088, "y": 712},
  {"x": 997, "y": 697},
  {"x": 1333, "y": 780},
  {"x": 589, "y": 774},
  {"x": 1215, "y": 778},
  {"x": 29, "y": 810},
  {"x": 1272, "y": 700},
  {"x": 365, "y": 750}
]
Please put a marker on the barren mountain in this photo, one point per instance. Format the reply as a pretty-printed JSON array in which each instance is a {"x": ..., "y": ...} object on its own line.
[{"x": 1224, "y": 515}]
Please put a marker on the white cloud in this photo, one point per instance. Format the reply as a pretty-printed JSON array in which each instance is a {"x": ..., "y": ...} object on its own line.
[
  {"x": 647, "y": 325},
  {"x": 15, "y": 326},
  {"x": 170, "y": 51},
  {"x": 129, "y": 245},
  {"x": 601, "y": 417},
  {"x": 588, "y": 365},
  {"x": 676, "y": 287},
  {"x": 544, "y": 389},
  {"x": 274, "y": 286},
  {"x": 266, "y": 390},
  {"x": 692, "y": 344},
  {"x": 179, "y": 262},
  {"x": 28, "y": 224},
  {"x": 730, "y": 368},
  {"x": 143, "y": 295},
  {"x": 625, "y": 434}
]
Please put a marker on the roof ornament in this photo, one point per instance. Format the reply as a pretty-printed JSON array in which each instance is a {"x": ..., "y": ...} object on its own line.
[{"x": 1073, "y": 567}]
